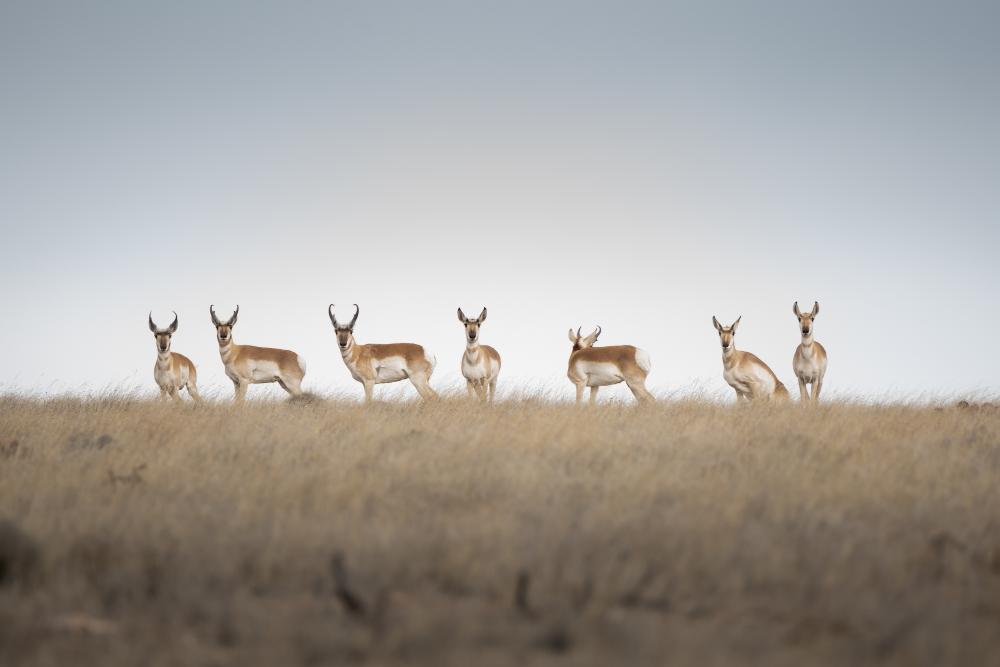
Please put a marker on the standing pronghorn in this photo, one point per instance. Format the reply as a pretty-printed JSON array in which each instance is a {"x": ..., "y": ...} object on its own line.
[
  {"x": 597, "y": 367},
  {"x": 809, "y": 362},
  {"x": 748, "y": 375},
  {"x": 247, "y": 365},
  {"x": 375, "y": 363},
  {"x": 173, "y": 371},
  {"x": 480, "y": 363}
]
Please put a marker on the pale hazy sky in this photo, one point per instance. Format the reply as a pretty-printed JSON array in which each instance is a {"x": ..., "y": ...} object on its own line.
[{"x": 642, "y": 166}]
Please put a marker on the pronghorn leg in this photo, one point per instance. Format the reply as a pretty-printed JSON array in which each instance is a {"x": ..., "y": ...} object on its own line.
[
  {"x": 174, "y": 394},
  {"x": 481, "y": 389},
  {"x": 493, "y": 389},
  {"x": 579, "y": 392},
  {"x": 241, "y": 390},
  {"x": 817, "y": 385},
  {"x": 593, "y": 394},
  {"x": 423, "y": 387},
  {"x": 803, "y": 392},
  {"x": 163, "y": 394},
  {"x": 639, "y": 391},
  {"x": 469, "y": 389},
  {"x": 193, "y": 391},
  {"x": 369, "y": 388},
  {"x": 291, "y": 385}
]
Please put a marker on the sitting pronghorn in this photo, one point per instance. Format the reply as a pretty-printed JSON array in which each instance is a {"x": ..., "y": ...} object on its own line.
[
  {"x": 375, "y": 363},
  {"x": 748, "y": 375},
  {"x": 480, "y": 363},
  {"x": 173, "y": 371},
  {"x": 247, "y": 365},
  {"x": 809, "y": 362},
  {"x": 597, "y": 367}
]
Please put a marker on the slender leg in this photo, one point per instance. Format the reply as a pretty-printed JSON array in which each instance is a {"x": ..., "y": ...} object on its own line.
[
  {"x": 369, "y": 386},
  {"x": 423, "y": 387},
  {"x": 292, "y": 385},
  {"x": 174, "y": 394},
  {"x": 579, "y": 392},
  {"x": 481, "y": 389},
  {"x": 639, "y": 391},
  {"x": 193, "y": 391},
  {"x": 468, "y": 387},
  {"x": 593, "y": 394},
  {"x": 493, "y": 389},
  {"x": 241, "y": 390},
  {"x": 163, "y": 394},
  {"x": 803, "y": 392},
  {"x": 817, "y": 385}
]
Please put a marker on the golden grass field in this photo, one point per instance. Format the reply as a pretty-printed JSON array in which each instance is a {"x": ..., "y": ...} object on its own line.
[{"x": 689, "y": 532}]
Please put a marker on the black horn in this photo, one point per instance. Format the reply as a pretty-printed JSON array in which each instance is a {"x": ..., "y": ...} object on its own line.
[
  {"x": 215, "y": 320},
  {"x": 173, "y": 325},
  {"x": 357, "y": 311},
  {"x": 333, "y": 318},
  {"x": 232, "y": 320},
  {"x": 152, "y": 327}
]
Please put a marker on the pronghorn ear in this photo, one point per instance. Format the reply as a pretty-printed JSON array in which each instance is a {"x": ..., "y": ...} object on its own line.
[
  {"x": 735, "y": 324},
  {"x": 572, "y": 336},
  {"x": 482, "y": 315},
  {"x": 173, "y": 325},
  {"x": 715, "y": 322},
  {"x": 152, "y": 327},
  {"x": 815, "y": 308},
  {"x": 461, "y": 316},
  {"x": 795, "y": 309}
]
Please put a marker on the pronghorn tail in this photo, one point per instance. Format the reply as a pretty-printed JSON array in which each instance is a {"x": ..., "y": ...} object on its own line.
[
  {"x": 431, "y": 360},
  {"x": 642, "y": 359}
]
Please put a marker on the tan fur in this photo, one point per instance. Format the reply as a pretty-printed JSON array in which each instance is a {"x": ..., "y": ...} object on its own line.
[
  {"x": 380, "y": 363},
  {"x": 595, "y": 367},
  {"x": 249, "y": 364},
  {"x": 172, "y": 370},
  {"x": 480, "y": 363},
  {"x": 749, "y": 377},
  {"x": 810, "y": 359}
]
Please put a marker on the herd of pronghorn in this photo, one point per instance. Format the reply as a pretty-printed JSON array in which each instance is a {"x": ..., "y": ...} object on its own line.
[{"x": 374, "y": 363}]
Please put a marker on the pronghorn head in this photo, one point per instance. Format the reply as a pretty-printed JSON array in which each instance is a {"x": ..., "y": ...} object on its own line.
[
  {"x": 224, "y": 330},
  {"x": 726, "y": 334},
  {"x": 344, "y": 332},
  {"x": 472, "y": 326},
  {"x": 162, "y": 336},
  {"x": 806, "y": 320},
  {"x": 583, "y": 342}
]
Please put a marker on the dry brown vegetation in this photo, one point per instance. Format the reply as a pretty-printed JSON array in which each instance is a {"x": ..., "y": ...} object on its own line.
[{"x": 133, "y": 532}]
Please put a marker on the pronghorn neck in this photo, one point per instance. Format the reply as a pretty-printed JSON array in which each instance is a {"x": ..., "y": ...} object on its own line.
[
  {"x": 350, "y": 353},
  {"x": 472, "y": 351},
  {"x": 807, "y": 342},
  {"x": 226, "y": 350},
  {"x": 163, "y": 359},
  {"x": 729, "y": 357}
]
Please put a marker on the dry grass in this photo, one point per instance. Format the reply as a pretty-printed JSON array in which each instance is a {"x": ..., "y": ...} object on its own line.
[{"x": 139, "y": 533}]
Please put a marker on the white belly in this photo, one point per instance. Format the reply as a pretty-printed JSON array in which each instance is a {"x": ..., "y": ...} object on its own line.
[
  {"x": 390, "y": 369},
  {"x": 167, "y": 380},
  {"x": 807, "y": 370},
  {"x": 599, "y": 374},
  {"x": 755, "y": 380},
  {"x": 477, "y": 371},
  {"x": 264, "y": 371}
]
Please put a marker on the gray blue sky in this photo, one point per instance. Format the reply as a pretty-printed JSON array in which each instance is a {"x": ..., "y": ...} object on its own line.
[{"x": 642, "y": 166}]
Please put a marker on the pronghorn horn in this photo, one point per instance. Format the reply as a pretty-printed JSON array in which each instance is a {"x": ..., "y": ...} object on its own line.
[
  {"x": 482, "y": 315},
  {"x": 333, "y": 318},
  {"x": 357, "y": 311},
  {"x": 215, "y": 320},
  {"x": 173, "y": 325},
  {"x": 597, "y": 332},
  {"x": 152, "y": 327},
  {"x": 232, "y": 320},
  {"x": 578, "y": 331}
]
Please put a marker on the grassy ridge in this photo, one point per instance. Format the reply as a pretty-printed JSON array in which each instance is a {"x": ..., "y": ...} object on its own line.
[{"x": 451, "y": 533}]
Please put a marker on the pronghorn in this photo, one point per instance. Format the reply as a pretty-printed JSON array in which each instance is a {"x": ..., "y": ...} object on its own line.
[
  {"x": 597, "y": 367},
  {"x": 247, "y": 365},
  {"x": 375, "y": 363},
  {"x": 809, "y": 362},
  {"x": 173, "y": 371},
  {"x": 748, "y": 375},
  {"x": 480, "y": 363}
]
